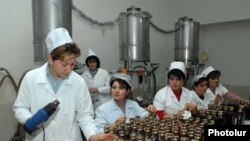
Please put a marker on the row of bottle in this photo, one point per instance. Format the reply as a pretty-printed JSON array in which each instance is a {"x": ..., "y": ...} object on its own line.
[
  {"x": 152, "y": 129},
  {"x": 229, "y": 112}
]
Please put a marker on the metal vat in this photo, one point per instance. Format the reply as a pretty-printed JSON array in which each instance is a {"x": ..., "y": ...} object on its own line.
[
  {"x": 187, "y": 41},
  {"x": 48, "y": 15},
  {"x": 134, "y": 35}
]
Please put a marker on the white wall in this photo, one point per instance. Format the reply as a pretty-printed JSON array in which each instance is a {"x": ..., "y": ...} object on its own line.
[
  {"x": 227, "y": 45},
  {"x": 214, "y": 11}
]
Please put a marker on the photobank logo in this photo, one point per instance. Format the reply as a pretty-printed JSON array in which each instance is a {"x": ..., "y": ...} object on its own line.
[
  {"x": 241, "y": 132},
  {"x": 215, "y": 132}
]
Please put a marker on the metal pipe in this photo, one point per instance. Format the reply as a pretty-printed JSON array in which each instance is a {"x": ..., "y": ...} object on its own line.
[
  {"x": 10, "y": 77},
  {"x": 136, "y": 67}
]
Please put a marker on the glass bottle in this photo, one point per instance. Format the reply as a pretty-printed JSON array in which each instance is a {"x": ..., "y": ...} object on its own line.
[
  {"x": 219, "y": 120},
  {"x": 240, "y": 115},
  {"x": 231, "y": 116}
]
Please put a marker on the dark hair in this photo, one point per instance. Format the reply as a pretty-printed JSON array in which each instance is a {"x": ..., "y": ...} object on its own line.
[
  {"x": 213, "y": 74},
  {"x": 65, "y": 50},
  {"x": 202, "y": 79},
  {"x": 122, "y": 82},
  {"x": 93, "y": 58},
  {"x": 178, "y": 73}
]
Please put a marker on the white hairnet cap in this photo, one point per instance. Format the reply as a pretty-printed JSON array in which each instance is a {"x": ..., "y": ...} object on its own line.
[
  {"x": 178, "y": 65},
  {"x": 207, "y": 70},
  {"x": 91, "y": 53},
  {"x": 56, "y": 38},
  {"x": 197, "y": 78},
  {"x": 124, "y": 77}
]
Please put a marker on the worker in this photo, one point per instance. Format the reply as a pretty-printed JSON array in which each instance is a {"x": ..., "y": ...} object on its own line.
[
  {"x": 215, "y": 87},
  {"x": 199, "y": 86},
  {"x": 119, "y": 109},
  {"x": 97, "y": 80},
  {"x": 55, "y": 80},
  {"x": 174, "y": 99}
]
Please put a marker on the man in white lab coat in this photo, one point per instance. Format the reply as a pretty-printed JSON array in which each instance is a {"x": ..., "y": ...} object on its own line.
[
  {"x": 97, "y": 80},
  {"x": 55, "y": 80}
]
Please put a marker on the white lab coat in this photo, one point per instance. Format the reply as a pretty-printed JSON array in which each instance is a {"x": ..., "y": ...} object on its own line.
[
  {"x": 110, "y": 112},
  {"x": 166, "y": 100},
  {"x": 202, "y": 104},
  {"x": 100, "y": 81},
  {"x": 75, "y": 106},
  {"x": 220, "y": 89}
]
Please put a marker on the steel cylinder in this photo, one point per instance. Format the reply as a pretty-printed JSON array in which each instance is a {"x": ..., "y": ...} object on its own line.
[
  {"x": 48, "y": 15},
  {"x": 187, "y": 41},
  {"x": 134, "y": 35}
]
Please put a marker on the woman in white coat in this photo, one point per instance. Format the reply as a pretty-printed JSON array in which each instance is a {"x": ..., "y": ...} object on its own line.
[
  {"x": 174, "y": 99},
  {"x": 199, "y": 91},
  {"x": 55, "y": 80},
  {"x": 214, "y": 86},
  {"x": 119, "y": 108},
  {"x": 97, "y": 80}
]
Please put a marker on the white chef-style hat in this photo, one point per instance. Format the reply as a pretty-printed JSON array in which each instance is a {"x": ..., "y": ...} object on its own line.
[
  {"x": 178, "y": 65},
  {"x": 91, "y": 53},
  {"x": 56, "y": 38},
  {"x": 124, "y": 77},
  {"x": 197, "y": 78},
  {"x": 208, "y": 70}
]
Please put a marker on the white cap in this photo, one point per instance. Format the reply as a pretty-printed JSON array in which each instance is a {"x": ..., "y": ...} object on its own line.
[
  {"x": 91, "y": 53},
  {"x": 178, "y": 65},
  {"x": 124, "y": 77},
  {"x": 197, "y": 78},
  {"x": 207, "y": 70},
  {"x": 56, "y": 38}
]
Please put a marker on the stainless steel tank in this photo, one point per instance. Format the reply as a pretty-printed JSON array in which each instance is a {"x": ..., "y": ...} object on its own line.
[
  {"x": 187, "y": 41},
  {"x": 48, "y": 15},
  {"x": 134, "y": 35}
]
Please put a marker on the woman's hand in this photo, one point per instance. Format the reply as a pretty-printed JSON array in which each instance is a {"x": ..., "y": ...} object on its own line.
[
  {"x": 218, "y": 99},
  {"x": 179, "y": 113},
  {"x": 121, "y": 119},
  {"x": 151, "y": 108},
  {"x": 93, "y": 90},
  {"x": 101, "y": 137},
  {"x": 191, "y": 107}
]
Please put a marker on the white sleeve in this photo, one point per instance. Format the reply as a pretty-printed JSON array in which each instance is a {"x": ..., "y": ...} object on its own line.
[
  {"x": 100, "y": 120},
  {"x": 85, "y": 112},
  {"x": 140, "y": 111},
  {"x": 223, "y": 89},
  {"x": 22, "y": 104},
  {"x": 106, "y": 87},
  {"x": 159, "y": 100}
]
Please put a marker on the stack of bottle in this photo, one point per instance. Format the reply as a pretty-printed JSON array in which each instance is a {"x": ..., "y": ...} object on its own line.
[
  {"x": 229, "y": 112},
  {"x": 152, "y": 129}
]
